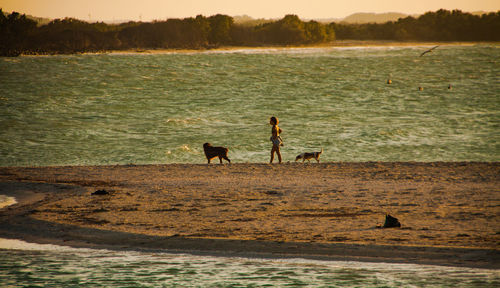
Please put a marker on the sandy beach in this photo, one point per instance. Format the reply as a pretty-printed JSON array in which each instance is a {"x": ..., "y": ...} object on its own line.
[{"x": 449, "y": 212}]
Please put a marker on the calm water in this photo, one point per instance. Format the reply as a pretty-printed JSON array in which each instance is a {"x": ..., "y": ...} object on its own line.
[
  {"x": 30, "y": 265},
  {"x": 124, "y": 108}
]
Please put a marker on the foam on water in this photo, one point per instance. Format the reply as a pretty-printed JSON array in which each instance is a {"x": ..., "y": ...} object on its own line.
[
  {"x": 30, "y": 264},
  {"x": 306, "y": 50},
  {"x": 6, "y": 201},
  {"x": 27, "y": 264}
]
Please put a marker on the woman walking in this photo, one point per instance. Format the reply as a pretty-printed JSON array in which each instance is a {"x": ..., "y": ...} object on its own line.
[{"x": 275, "y": 138}]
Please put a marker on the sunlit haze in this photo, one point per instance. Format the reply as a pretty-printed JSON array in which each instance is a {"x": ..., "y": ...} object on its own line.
[{"x": 147, "y": 10}]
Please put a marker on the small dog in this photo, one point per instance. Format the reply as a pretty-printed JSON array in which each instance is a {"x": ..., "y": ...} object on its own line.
[
  {"x": 308, "y": 156},
  {"x": 212, "y": 152}
]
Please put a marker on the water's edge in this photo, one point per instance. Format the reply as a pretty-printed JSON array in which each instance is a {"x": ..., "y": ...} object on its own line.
[{"x": 42, "y": 232}]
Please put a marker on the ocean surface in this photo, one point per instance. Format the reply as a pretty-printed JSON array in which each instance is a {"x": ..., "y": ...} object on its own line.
[
  {"x": 160, "y": 108},
  {"x": 32, "y": 265}
]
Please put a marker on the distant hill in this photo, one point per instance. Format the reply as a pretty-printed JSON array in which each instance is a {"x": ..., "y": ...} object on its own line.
[
  {"x": 479, "y": 13},
  {"x": 328, "y": 20},
  {"x": 246, "y": 20},
  {"x": 363, "y": 18},
  {"x": 39, "y": 20}
]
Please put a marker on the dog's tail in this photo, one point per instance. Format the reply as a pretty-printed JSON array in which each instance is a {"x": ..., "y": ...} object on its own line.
[{"x": 321, "y": 149}]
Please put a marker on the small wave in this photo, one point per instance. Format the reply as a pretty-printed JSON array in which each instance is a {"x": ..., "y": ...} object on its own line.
[
  {"x": 7, "y": 201},
  {"x": 58, "y": 265},
  {"x": 185, "y": 121},
  {"x": 12, "y": 244},
  {"x": 307, "y": 50}
]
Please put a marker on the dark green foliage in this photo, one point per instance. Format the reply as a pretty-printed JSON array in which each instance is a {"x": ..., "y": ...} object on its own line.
[
  {"x": 73, "y": 36},
  {"x": 292, "y": 31},
  {"x": 18, "y": 34},
  {"x": 14, "y": 30},
  {"x": 220, "y": 29},
  {"x": 441, "y": 25}
]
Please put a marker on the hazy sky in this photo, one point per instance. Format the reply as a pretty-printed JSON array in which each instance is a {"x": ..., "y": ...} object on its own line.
[{"x": 147, "y": 10}]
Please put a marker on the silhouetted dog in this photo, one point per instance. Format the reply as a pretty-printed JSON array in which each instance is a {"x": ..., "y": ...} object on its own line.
[
  {"x": 211, "y": 152},
  {"x": 391, "y": 222},
  {"x": 308, "y": 156}
]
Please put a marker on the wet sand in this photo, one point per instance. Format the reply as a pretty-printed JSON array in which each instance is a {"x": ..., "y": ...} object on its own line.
[{"x": 449, "y": 212}]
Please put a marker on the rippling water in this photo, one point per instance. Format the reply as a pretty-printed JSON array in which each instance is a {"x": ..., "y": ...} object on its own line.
[
  {"x": 161, "y": 108},
  {"x": 30, "y": 265},
  {"x": 135, "y": 108}
]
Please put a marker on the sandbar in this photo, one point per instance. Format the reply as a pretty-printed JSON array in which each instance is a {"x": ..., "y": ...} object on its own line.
[{"x": 449, "y": 211}]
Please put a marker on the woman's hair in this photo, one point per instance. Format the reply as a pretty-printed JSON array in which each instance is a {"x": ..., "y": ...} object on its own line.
[{"x": 274, "y": 120}]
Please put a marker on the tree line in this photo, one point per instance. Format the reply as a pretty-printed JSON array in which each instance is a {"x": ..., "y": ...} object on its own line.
[
  {"x": 442, "y": 25},
  {"x": 19, "y": 34}
]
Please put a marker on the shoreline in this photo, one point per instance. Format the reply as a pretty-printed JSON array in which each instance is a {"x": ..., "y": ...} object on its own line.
[
  {"x": 247, "y": 213},
  {"x": 234, "y": 49},
  {"x": 337, "y": 44}
]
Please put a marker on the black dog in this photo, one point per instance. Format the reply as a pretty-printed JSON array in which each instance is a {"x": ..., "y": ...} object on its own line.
[
  {"x": 211, "y": 152},
  {"x": 391, "y": 222}
]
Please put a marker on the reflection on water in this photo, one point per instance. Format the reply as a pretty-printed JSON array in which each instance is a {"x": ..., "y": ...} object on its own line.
[{"x": 23, "y": 264}]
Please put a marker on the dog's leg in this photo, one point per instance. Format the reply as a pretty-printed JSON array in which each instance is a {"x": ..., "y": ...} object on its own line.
[
  {"x": 225, "y": 157},
  {"x": 220, "y": 159}
]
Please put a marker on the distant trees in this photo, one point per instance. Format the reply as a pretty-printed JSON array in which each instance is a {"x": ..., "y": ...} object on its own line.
[
  {"x": 18, "y": 34},
  {"x": 220, "y": 29},
  {"x": 14, "y": 31},
  {"x": 291, "y": 30},
  {"x": 69, "y": 36},
  {"x": 442, "y": 25}
]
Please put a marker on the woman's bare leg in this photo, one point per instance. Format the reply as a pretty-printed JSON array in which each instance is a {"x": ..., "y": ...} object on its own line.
[
  {"x": 277, "y": 150},
  {"x": 272, "y": 153}
]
